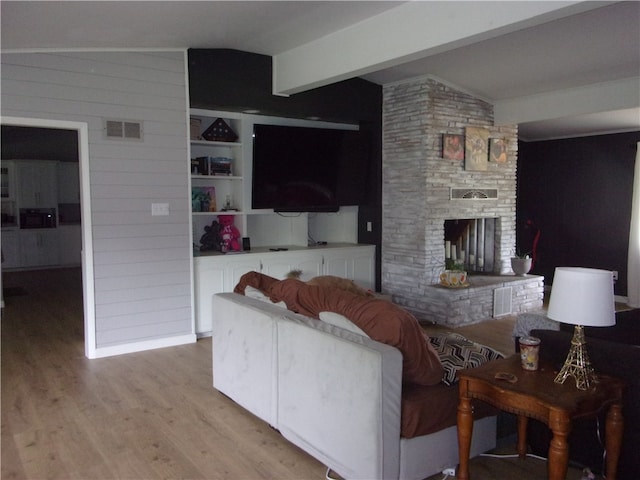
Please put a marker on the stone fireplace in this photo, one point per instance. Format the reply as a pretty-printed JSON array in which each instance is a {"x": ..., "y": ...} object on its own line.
[{"x": 420, "y": 195}]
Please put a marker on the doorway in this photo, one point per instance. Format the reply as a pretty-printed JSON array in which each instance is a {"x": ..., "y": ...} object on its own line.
[{"x": 80, "y": 130}]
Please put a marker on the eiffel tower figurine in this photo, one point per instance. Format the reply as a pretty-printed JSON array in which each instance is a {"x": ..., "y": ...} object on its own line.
[{"x": 577, "y": 364}]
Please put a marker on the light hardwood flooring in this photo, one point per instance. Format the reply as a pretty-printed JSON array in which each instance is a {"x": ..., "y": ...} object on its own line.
[{"x": 144, "y": 415}]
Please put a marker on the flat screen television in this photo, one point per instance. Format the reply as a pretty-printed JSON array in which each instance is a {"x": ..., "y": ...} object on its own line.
[{"x": 306, "y": 169}]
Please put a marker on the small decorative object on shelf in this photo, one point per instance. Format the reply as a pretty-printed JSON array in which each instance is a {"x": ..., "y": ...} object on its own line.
[
  {"x": 214, "y": 166},
  {"x": 195, "y": 125},
  {"x": 211, "y": 239},
  {"x": 219, "y": 131},
  {"x": 203, "y": 199},
  {"x": 229, "y": 234},
  {"x": 454, "y": 275},
  {"x": 228, "y": 205},
  {"x": 454, "y": 279},
  {"x": 521, "y": 264}
]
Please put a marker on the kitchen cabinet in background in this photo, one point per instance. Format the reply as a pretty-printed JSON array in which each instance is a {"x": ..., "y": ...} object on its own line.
[
  {"x": 37, "y": 184},
  {"x": 39, "y": 248},
  {"x": 70, "y": 239},
  {"x": 68, "y": 182},
  {"x": 10, "y": 249}
]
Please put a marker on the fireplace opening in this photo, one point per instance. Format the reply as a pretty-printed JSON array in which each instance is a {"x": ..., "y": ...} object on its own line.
[{"x": 470, "y": 244}]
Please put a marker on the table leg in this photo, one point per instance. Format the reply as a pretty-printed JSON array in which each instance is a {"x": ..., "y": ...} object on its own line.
[
  {"x": 522, "y": 436},
  {"x": 558, "y": 462},
  {"x": 465, "y": 431},
  {"x": 613, "y": 439}
]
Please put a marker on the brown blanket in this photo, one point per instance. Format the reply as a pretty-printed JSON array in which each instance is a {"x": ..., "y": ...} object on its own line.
[{"x": 381, "y": 320}]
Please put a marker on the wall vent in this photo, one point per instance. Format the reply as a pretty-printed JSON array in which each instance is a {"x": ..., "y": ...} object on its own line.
[
  {"x": 123, "y": 129},
  {"x": 502, "y": 301},
  {"x": 474, "y": 193}
]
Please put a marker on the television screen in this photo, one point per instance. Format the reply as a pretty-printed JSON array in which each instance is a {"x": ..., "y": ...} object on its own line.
[{"x": 303, "y": 169}]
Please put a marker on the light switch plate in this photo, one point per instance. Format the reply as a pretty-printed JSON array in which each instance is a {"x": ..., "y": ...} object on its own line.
[{"x": 158, "y": 209}]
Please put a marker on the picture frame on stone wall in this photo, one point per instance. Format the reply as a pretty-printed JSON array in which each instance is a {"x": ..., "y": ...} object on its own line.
[
  {"x": 476, "y": 149},
  {"x": 452, "y": 146},
  {"x": 497, "y": 150}
]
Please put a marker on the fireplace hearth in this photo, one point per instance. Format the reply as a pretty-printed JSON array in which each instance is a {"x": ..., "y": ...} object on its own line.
[{"x": 486, "y": 297}]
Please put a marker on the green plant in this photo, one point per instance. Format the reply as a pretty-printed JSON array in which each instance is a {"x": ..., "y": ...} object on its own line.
[{"x": 450, "y": 264}]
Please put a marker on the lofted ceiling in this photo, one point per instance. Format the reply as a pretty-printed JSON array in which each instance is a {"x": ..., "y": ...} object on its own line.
[{"x": 557, "y": 69}]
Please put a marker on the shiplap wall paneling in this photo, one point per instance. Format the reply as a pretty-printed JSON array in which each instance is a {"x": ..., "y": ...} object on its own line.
[{"x": 142, "y": 262}]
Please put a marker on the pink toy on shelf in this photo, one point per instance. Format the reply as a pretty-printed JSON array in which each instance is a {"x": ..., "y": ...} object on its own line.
[{"x": 229, "y": 234}]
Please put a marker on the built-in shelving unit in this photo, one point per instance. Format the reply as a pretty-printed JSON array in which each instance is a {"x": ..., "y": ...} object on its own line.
[
  {"x": 315, "y": 243},
  {"x": 217, "y": 166},
  {"x": 264, "y": 227}
]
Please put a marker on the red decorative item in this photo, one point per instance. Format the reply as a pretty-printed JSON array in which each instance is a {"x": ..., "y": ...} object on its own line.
[{"x": 229, "y": 234}]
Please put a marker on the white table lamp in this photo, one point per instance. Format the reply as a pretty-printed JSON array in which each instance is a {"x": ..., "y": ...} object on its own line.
[{"x": 581, "y": 297}]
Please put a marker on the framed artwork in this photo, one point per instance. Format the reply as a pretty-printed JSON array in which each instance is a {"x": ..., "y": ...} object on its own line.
[
  {"x": 476, "y": 149},
  {"x": 452, "y": 146},
  {"x": 497, "y": 150}
]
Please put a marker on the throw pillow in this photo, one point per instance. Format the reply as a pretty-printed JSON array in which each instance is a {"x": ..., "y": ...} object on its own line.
[
  {"x": 341, "y": 321},
  {"x": 457, "y": 352},
  {"x": 253, "y": 292}
]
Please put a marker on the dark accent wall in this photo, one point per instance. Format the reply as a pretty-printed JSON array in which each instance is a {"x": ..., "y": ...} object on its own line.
[
  {"x": 233, "y": 80},
  {"x": 577, "y": 193}
]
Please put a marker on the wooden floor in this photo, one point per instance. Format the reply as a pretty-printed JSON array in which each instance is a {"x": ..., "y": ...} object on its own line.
[{"x": 144, "y": 415}]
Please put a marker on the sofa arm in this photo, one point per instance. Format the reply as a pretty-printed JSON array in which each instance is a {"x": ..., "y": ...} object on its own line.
[
  {"x": 244, "y": 351},
  {"x": 339, "y": 397}
]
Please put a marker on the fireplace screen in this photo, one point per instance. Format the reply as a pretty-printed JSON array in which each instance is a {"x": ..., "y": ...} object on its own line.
[{"x": 470, "y": 243}]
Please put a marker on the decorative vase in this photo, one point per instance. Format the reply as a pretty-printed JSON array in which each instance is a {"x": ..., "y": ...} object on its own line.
[
  {"x": 520, "y": 266},
  {"x": 453, "y": 278}
]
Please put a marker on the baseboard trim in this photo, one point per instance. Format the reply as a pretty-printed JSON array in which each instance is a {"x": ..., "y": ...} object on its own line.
[{"x": 142, "y": 346}]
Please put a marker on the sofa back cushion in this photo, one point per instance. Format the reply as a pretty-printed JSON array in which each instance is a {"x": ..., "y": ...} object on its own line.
[{"x": 382, "y": 321}]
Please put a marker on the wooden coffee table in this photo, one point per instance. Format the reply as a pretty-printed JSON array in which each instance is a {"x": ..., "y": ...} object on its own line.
[{"x": 536, "y": 395}]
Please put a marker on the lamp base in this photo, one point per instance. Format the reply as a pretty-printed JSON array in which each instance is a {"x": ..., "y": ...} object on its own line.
[{"x": 577, "y": 364}]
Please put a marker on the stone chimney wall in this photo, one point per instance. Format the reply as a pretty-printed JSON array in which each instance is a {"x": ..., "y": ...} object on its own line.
[{"x": 417, "y": 182}]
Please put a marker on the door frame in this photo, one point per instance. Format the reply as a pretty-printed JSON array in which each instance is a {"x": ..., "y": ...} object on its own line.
[{"x": 88, "y": 277}]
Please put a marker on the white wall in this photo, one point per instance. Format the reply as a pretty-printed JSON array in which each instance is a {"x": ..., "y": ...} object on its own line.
[{"x": 142, "y": 263}]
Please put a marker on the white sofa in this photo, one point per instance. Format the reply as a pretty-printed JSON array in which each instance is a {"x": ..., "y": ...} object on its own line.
[{"x": 333, "y": 393}]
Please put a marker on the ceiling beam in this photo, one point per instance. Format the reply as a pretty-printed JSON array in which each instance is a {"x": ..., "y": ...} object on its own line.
[
  {"x": 410, "y": 31},
  {"x": 588, "y": 99}
]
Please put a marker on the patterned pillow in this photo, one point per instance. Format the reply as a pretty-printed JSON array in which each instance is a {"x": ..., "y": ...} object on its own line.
[{"x": 456, "y": 353}]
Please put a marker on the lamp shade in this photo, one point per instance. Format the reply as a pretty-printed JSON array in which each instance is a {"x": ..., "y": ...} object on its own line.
[{"x": 582, "y": 296}]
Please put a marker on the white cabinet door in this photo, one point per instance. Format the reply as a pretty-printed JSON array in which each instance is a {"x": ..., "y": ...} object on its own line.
[
  {"x": 70, "y": 239},
  {"x": 279, "y": 264},
  {"x": 39, "y": 248},
  {"x": 37, "y": 184},
  {"x": 357, "y": 264},
  {"x": 209, "y": 279},
  {"x": 237, "y": 266},
  {"x": 10, "y": 249},
  {"x": 221, "y": 273},
  {"x": 68, "y": 182},
  {"x": 7, "y": 180},
  {"x": 216, "y": 274}
]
